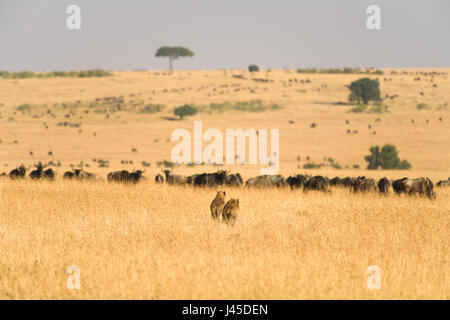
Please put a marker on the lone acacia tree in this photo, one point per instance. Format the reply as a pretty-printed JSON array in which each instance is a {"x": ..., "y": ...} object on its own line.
[{"x": 173, "y": 53}]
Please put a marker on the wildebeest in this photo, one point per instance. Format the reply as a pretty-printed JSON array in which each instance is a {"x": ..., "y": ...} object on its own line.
[
  {"x": 217, "y": 204},
  {"x": 210, "y": 179},
  {"x": 443, "y": 183},
  {"x": 230, "y": 211},
  {"x": 136, "y": 176},
  {"x": 398, "y": 185},
  {"x": 363, "y": 184},
  {"x": 336, "y": 181},
  {"x": 318, "y": 183},
  {"x": 159, "y": 178},
  {"x": 233, "y": 180},
  {"x": 48, "y": 174},
  {"x": 18, "y": 173},
  {"x": 174, "y": 178},
  {"x": 383, "y": 185},
  {"x": 297, "y": 181},
  {"x": 125, "y": 177},
  {"x": 118, "y": 176},
  {"x": 191, "y": 179},
  {"x": 69, "y": 175},
  {"x": 79, "y": 174},
  {"x": 37, "y": 174},
  {"x": 347, "y": 182},
  {"x": 421, "y": 186},
  {"x": 266, "y": 181}
]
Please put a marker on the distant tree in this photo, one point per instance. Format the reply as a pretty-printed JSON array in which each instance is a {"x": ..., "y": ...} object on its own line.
[
  {"x": 185, "y": 110},
  {"x": 365, "y": 90},
  {"x": 173, "y": 53},
  {"x": 386, "y": 158},
  {"x": 253, "y": 68},
  {"x": 389, "y": 157},
  {"x": 373, "y": 158}
]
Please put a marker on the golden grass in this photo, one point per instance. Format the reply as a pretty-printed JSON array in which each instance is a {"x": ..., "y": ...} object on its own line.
[{"x": 159, "y": 242}]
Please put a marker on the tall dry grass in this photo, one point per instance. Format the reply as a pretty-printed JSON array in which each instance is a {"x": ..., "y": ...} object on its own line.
[{"x": 158, "y": 242}]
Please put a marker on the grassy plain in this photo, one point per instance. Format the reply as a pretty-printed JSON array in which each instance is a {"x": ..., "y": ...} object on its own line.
[{"x": 158, "y": 242}]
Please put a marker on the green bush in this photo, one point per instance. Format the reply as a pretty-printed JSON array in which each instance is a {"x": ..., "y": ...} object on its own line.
[
  {"x": 23, "y": 75},
  {"x": 337, "y": 166},
  {"x": 5, "y": 74},
  {"x": 184, "y": 111},
  {"x": 306, "y": 71},
  {"x": 165, "y": 163},
  {"x": 378, "y": 108},
  {"x": 248, "y": 106},
  {"x": 94, "y": 73},
  {"x": 30, "y": 74},
  {"x": 152, "y": 108},
  {"x": 404, "y": 165},
  {"x": 364, "y": 108},
  {"x": 312, "y": 165},
  {"x": 24, "y": 107},
  {"x": 422, "y": 106},
  {"x": 386, "y": 158},
  {"x": 359, "y": 108}
]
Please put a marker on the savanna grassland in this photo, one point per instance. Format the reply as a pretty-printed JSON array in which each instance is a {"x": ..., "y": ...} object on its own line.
[{"x": 154, "y": 241}]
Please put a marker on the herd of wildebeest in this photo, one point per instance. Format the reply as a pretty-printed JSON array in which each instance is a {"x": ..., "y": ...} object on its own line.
[{"x": 420, "y": 186}]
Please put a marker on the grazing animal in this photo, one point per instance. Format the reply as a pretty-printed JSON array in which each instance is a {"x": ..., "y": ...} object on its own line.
[
  {"x": 174, "y": 178},
  {"x": 336, "y": 181},
  {"x": 159, "y": 178},
  {"x": 233, "y": 180},
  {"x": 443, "y": 183},
  {"x": 210, "y": 179},
  {"x": 191, "y": 179},
  {"x": 84, "y": 175},
  {"x": 318, "y": 183},
  {"x": 421, "y": 186},
  {"x": 37, "y": 174},
  {"x": 49, "y": 174},
  {"x": 126, "y": 177},
  {"x": 79, "y": 174},
  {"x": 69, "y": 175},
  {"x": 297, "y": 182},
  {"x": 363, "y": 184},
  {"x": 135, "y": 177},
  {"x": 118, "y": 176},
  {"x": 398, "y": 186},
  {"x": 230, "y": 211},
  {"x": 383, "y": 185},
  {"x": 266, "y": 181},
  {"x": 18, "y": 173},
  {"x": 217, "y": 204}
]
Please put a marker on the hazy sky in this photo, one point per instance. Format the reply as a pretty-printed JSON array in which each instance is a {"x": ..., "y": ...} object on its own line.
[{"x": 223, "y": 34}]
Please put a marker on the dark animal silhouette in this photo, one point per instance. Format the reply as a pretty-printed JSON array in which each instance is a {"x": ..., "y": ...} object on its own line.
[{"x": 18, "y": 173}]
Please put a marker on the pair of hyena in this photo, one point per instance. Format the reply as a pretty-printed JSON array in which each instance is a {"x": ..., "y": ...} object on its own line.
[{"x": 229, "y": 210}]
